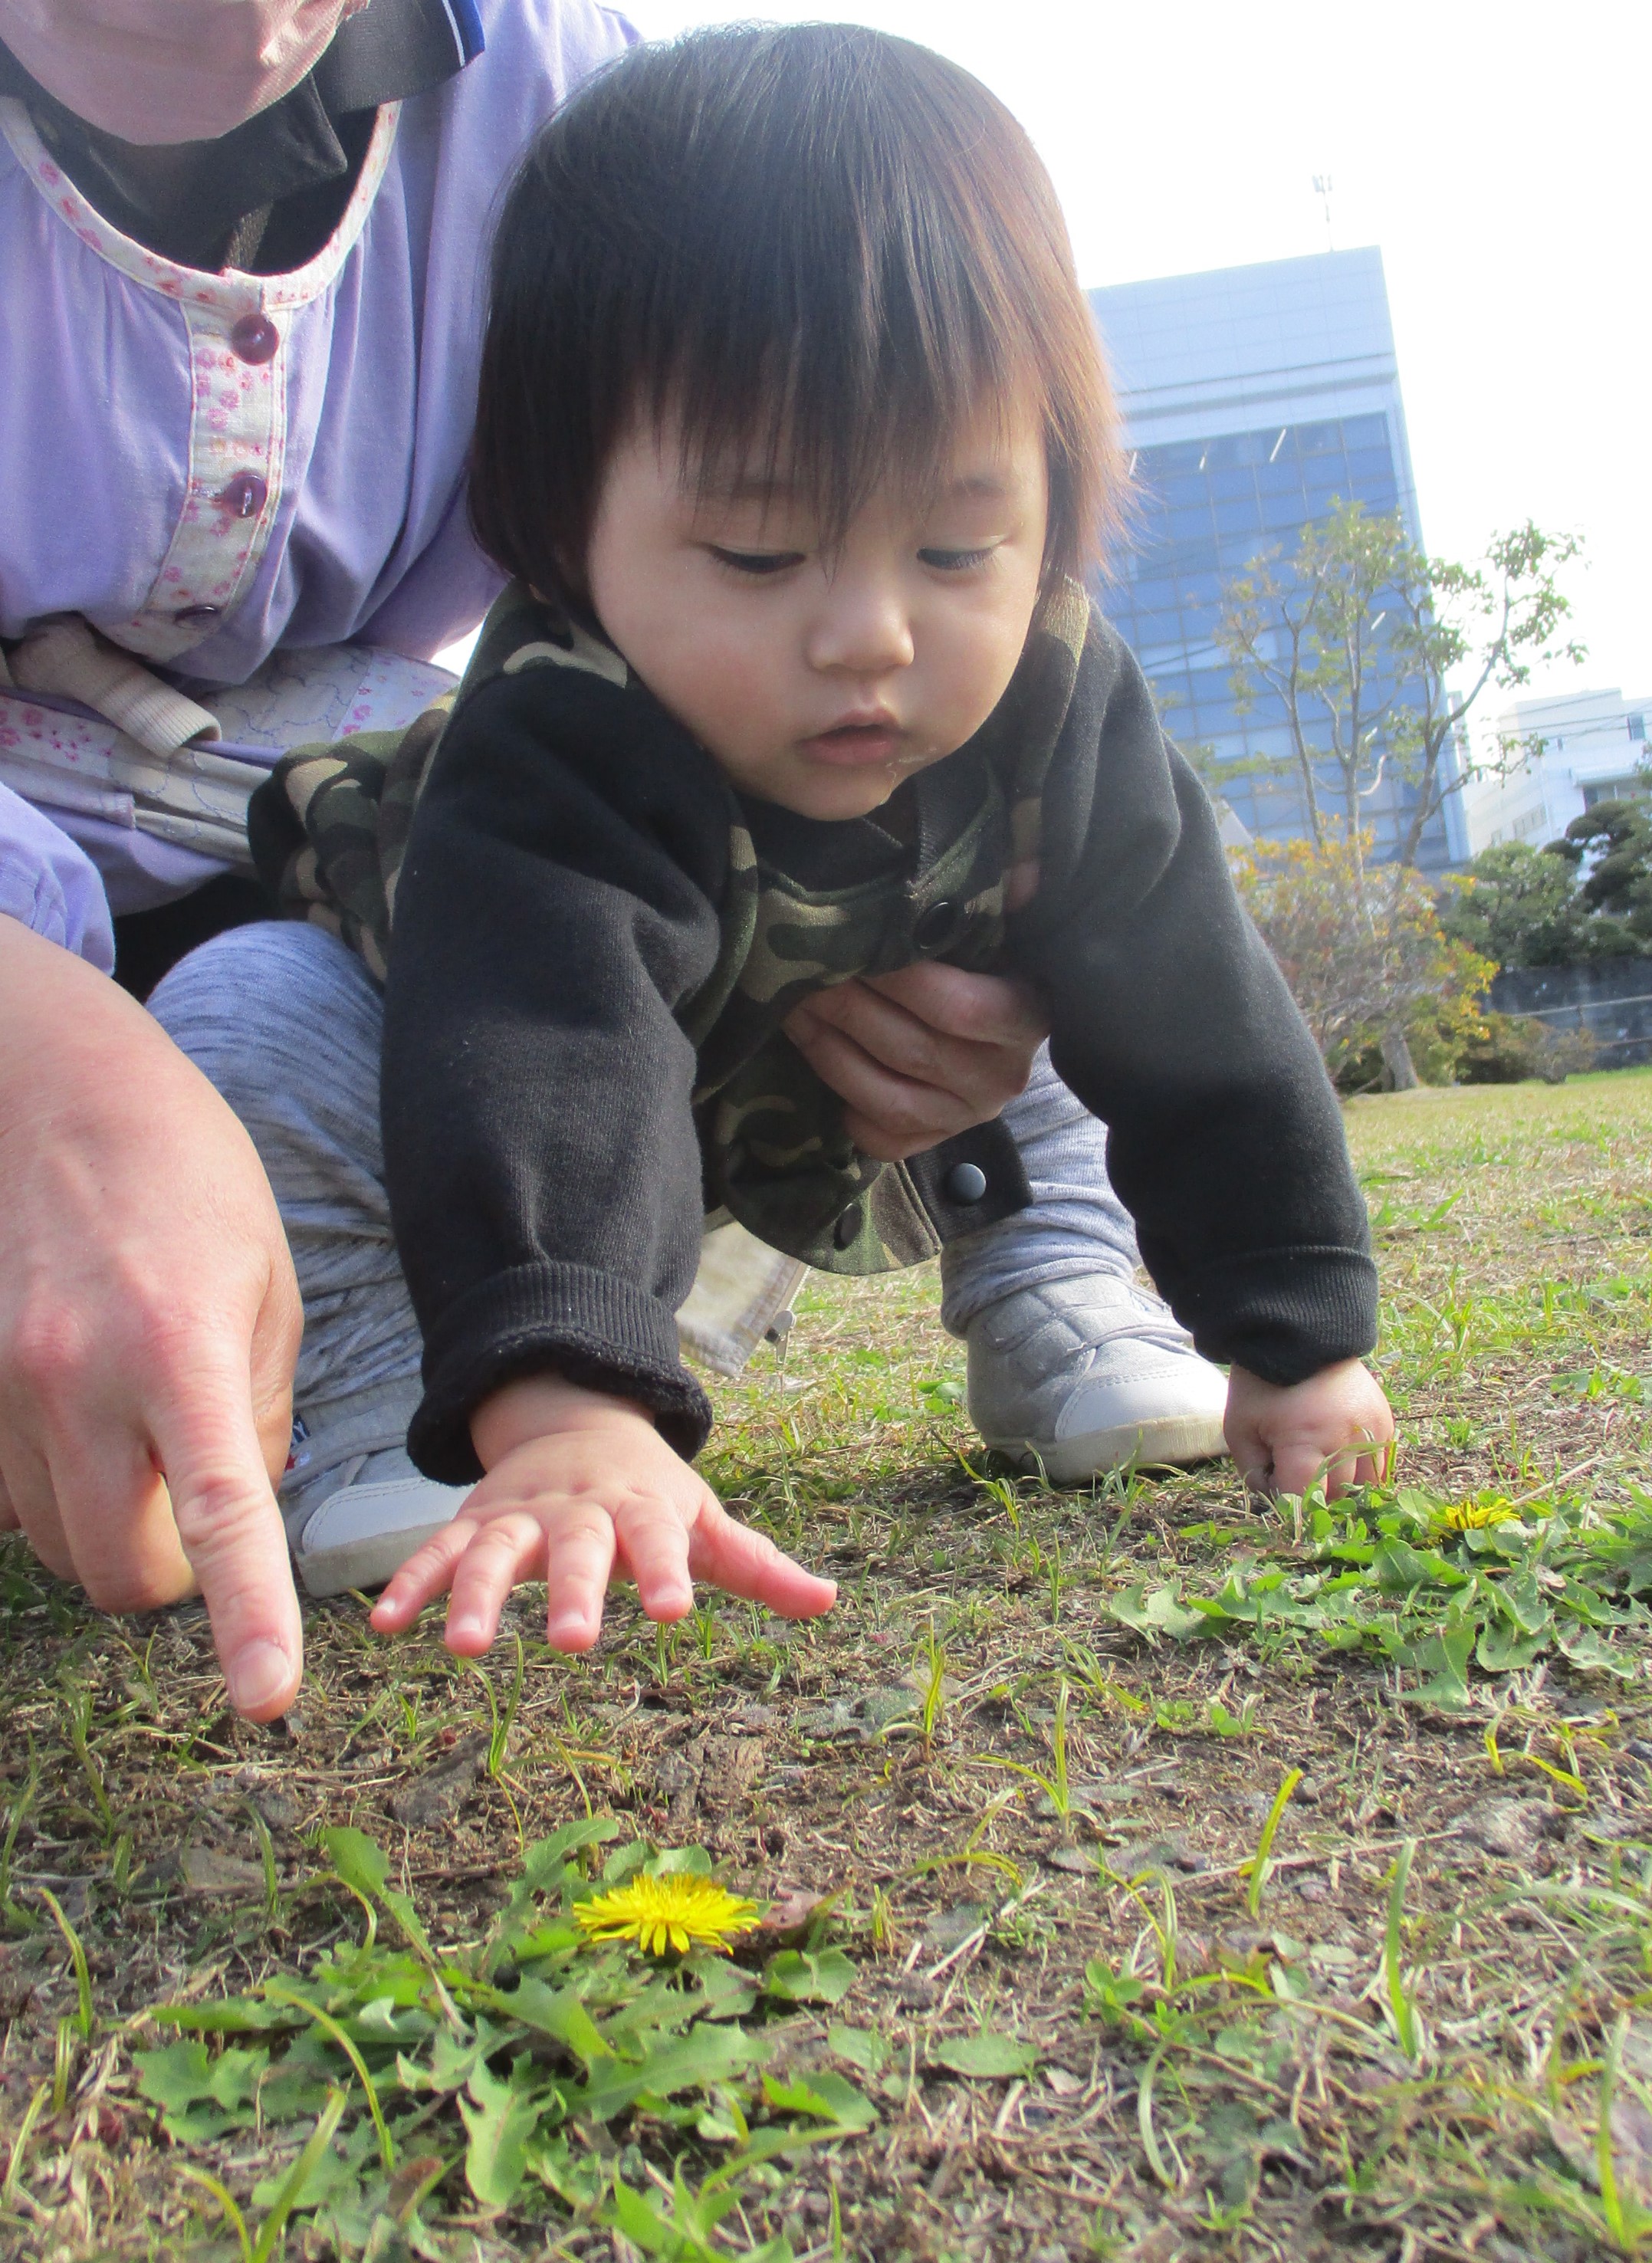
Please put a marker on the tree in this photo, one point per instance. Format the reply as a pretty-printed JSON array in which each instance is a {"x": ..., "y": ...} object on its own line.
[
  {"x": 1610, "y": 846},
  {"x": 1310, "y": 634},
  {"x": 1520, "y": 906},
  {"x": 1587, "y": 895},
  {"x": 1360, "y": 944},
  {"x": 1361, "y": 636}
]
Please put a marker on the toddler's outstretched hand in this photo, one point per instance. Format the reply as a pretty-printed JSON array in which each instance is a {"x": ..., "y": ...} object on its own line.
[
  {"x": 582, "y": 1486},
  {"x": 1282, "y": 1438}
]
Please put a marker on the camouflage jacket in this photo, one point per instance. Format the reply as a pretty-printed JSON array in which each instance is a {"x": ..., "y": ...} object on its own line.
[{"x": 595, "y": 943}]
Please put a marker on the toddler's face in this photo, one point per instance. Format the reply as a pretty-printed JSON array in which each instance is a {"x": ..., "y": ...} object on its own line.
[{"x": 820, "y": 679}]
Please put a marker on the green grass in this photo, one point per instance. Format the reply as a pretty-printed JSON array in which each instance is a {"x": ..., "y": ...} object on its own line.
[{"x": 1147, "y": 1877}]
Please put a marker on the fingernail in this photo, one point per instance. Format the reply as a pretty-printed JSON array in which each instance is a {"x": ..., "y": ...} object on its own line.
[{"x": 259, "y": 1676}]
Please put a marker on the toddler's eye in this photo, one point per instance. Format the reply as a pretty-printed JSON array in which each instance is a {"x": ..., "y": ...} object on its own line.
[
  {"x": 956, "y": 562},
  {"x": 756, "y": 562}
]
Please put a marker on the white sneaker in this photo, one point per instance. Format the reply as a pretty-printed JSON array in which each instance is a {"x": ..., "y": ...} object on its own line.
[
  {"x": 354, "y": 1505},
  {"x": 1082, "y": 1377}
]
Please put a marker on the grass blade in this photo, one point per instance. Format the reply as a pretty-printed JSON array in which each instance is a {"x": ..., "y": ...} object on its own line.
[
  {"x": 1144, "y": 2122},
  {"x": 1625, "y": 2220},
  {"x": 296, "y": 2177},
  {"x": 82, "y": 1977},
  {"x": 1259, "y": 1869},
  {"x": 1402, "y": 2000},
  {"x": 278, "y": 1994},
  {"x": 226, "y": 2200},
  {"x": 13, "y": 2185},
  {"x": 20, "y": 1807}
]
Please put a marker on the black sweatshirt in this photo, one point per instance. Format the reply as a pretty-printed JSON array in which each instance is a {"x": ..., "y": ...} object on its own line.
[{"x": 574, "y": 868}]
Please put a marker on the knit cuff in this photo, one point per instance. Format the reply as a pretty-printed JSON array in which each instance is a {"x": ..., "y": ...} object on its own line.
[
  {"x": 1282, "y": 1313},
  {"x": 569, "y": 1319}
]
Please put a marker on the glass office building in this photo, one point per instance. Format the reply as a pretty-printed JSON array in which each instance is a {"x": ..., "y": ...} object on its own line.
[{"x": 1252, "y": 397}]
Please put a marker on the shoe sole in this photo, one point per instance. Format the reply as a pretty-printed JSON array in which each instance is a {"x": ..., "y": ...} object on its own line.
[
  {"x": 1175, "y": 1442},
  {"x": 369, "y": 1561}
]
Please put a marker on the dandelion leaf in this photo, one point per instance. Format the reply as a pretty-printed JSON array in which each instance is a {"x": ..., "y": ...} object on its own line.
[
  {"x": 987, "y": 2055},
  {"x": 808, "y": 1976}
]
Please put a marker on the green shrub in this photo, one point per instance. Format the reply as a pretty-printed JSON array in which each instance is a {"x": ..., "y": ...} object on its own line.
[{"x": 1518, "y": 1047}]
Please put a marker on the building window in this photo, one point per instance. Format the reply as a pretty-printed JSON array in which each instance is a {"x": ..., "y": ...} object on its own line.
[
  {"x": 1617, "y": 789},
  {"x": 1206, "y": 511}
]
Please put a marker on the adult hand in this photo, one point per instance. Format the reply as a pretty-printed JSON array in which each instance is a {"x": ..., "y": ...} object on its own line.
[
  {"x": 150, "y": 1320},
  {"x": 921, "y": 1054}
]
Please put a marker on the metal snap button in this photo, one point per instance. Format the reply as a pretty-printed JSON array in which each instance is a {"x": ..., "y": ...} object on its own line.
[
  {"x": 934, "y": 928},
  {"x": 966, "y": 1183},
  {"x": 198, "y": 612}
]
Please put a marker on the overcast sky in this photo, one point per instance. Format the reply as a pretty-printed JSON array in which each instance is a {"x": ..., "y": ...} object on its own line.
[{"x": 1501, "y": 155}]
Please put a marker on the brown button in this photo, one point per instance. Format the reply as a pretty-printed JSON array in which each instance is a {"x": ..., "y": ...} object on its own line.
[
  {"x": 198, "y": 613},
  {"x": 245, "y": 497},
  {"x": 848, "y": 1226},
  {"x": 254, "y": 338}
]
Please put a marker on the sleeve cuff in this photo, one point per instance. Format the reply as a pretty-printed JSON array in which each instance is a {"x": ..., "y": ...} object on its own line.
[
  {"x": 50, "y": 886},
  {"x": 1282, "y": 1313},
  {"x": 586, "y": 1325}
]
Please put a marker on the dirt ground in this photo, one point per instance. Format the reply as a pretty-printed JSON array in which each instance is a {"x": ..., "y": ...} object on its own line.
[{"x": 1282, "y": 1929}]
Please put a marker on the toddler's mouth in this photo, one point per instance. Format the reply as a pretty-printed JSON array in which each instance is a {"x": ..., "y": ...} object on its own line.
[{"x": 874, "y": 743}]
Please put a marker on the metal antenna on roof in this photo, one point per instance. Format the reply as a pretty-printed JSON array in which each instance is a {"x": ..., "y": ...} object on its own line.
[{"x": 1322, "y": 190}]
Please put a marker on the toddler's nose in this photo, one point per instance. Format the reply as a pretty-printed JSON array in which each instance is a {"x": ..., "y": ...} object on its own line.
[{"x": 863, "y": 627}]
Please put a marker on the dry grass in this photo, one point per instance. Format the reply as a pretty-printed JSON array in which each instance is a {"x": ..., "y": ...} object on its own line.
[{"x": 1311, "y": 2061}]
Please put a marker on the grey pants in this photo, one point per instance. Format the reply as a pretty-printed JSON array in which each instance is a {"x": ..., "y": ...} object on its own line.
[{"x": 285, "y": 1021}]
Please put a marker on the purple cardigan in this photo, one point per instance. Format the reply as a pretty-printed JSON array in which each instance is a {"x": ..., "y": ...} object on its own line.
[{"x": 210, "y": 466}]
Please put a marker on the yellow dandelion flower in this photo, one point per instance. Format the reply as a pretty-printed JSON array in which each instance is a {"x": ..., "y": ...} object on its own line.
[
  {"x": 679, "y": 1910},
  {"x": 1473, "y": 1516}
]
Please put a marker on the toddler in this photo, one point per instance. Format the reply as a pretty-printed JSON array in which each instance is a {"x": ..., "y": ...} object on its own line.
[{"x": 794, "y": 434}]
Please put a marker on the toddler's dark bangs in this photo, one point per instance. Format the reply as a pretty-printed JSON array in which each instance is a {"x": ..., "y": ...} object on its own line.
[{"x": 817, "y": 251}]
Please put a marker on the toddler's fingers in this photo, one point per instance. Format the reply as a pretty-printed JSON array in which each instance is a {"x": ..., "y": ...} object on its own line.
[
  {"x": 579, "y": 1550},
  {"x": 1359, "y": 1465},
  {"x": 731, "y": 1556},
  {"x": 424, "y": 1576},
  {"x": 1249, "y": 1449},
  {"x": 655, "y": 1549},
  {"x": 502, "y": 1551},
  {"x": 1298, "y": 1462}
]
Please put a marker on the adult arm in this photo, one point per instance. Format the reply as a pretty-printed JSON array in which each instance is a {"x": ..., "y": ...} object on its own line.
[
  {"x": 1173, "y": 1024},
  {"x": 149, "y": 1320}
]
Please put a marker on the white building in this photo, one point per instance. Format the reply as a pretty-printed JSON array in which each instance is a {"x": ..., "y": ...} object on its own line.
[{"x": 1588, "y": 746}]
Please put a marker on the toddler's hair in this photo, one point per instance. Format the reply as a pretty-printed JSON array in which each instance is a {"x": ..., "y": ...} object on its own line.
[{"x": 815, "y": 244}]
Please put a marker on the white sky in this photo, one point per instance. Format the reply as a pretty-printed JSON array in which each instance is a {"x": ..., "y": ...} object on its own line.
[{"x": 1501, "y": 155}]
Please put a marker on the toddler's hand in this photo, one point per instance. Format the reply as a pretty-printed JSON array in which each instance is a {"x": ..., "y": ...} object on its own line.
[
  {"x": 580, "y": 1487},
  {"x": 1280, "y": 1439}
]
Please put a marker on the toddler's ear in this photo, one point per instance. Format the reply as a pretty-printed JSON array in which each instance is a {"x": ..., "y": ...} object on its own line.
[{"x": 1020, "y": 884}]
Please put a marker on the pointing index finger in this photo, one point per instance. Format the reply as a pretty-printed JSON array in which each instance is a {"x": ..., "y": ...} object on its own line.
[{"x": 233, "y": 1536}]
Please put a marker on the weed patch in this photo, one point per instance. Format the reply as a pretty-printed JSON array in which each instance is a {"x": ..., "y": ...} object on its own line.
[{"x": 1137, "y": 1872}]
